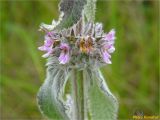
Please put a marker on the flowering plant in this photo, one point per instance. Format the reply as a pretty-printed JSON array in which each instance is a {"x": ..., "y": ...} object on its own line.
[
  {"x": 76, "y": 46},
  {"x": 75, "y": 51}
]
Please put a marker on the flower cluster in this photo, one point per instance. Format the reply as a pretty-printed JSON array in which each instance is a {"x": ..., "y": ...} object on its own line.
[{"x": 79, "y": 44}]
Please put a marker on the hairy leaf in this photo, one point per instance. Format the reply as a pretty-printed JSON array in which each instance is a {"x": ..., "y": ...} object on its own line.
[
  {"x": 71, "y": 12},
  {"x": 50, "y": 96},
  {"x": 102, "y": 104},
  {"x": 89, "y": 10}
]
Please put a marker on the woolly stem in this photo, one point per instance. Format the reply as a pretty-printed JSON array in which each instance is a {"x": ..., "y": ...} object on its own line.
[
  {"x": 86, "y": 82},
  {"x": 78, "y": 94}
]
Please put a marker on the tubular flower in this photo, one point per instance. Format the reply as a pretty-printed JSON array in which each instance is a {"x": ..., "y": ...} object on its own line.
[
  {"x": 77, "y": 46},
  {"x": 64, "y": 56},
  {"x": 108, "y": 46},
  {"x": 110, "y": 36},
  {"x": 48, "y": 44}
]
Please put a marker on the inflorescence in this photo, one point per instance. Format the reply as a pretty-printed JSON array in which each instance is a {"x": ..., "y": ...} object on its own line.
[{"x": 79, "y": 45}]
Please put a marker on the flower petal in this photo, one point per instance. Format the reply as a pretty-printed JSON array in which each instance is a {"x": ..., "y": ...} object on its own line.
[
  {"x": 63, "y": 58},
  {"x": 48, "y": 53},
  {"x": 111, "y": 49},
  {"x": 64, "y": 46},
  {"x": 45, "y": 48},
  {"x": 42, "y": 48},
  {"x": 110, "y": 36},
  {"x": 106, "y": 57},
  {"x": 45, "y": 55},
  {"x": 48, "y": 42}
]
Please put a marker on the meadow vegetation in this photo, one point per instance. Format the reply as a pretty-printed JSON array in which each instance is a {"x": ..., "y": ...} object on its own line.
[{"x": 133, "y": 76}]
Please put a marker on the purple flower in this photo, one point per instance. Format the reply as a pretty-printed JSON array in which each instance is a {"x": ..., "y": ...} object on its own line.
[
  {"x": 47, "y": 47},
  {"x": 48, "y": 53},
  {"x": 108, "y": 46},
  {"x": 49, "y": 50},
  {"x": 64, "y": 56},
  {"x": 48, "y": 41},
  {"x": 106, "y": 49},
  {"x": 50, "y": 34},
  {"x": 89, "y": 41},
  {"x": 110, "y": 37},
  {"x": 106, "y": 57}
]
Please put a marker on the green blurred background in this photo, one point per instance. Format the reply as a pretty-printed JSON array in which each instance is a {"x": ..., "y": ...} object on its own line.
[{"x": 133, "y": 77}]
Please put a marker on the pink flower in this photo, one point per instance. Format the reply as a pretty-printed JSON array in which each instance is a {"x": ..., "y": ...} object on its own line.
[
  {"x": 106, "y": 57},
  {"x": 64, "y": 56},
  {"x": 49, "y": 52},
  {"x": 108, "y": 46},
  {"x": 48, "y": 41},
  {"x": 47, "y": 47},
  {"x": 106, "y": 50},
  {"x": 110, "y": 36}
]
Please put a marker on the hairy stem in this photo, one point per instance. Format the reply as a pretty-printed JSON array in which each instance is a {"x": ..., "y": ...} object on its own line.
[
  {"x": 78, "y": 94},
  {"x": 85, "y": 94}
]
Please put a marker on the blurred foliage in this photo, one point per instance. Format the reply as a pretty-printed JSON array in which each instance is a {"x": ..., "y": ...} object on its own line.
[{"x": 133, "y": 77}]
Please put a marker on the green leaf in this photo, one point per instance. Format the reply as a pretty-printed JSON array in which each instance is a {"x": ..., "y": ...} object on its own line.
[
  {"x": 89, "y": 10},
  {"x": 102, "y": 104},
  {"x": 50, "y": 96},
  {"x": 71, "y": 12}
]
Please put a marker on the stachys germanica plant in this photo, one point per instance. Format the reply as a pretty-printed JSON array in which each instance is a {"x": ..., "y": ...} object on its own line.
[{"x": 76, "y": 47}]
